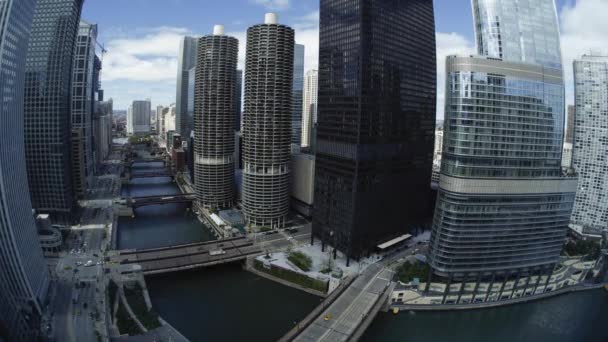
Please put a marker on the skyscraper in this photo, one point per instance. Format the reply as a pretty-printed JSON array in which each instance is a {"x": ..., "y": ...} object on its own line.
[
  {"x": 138, "y": 117},
  {"x": 48, "y": 88},
  {"x": 238, "y": 100},
  {"x": 503, "y": 205},
  {"x": 376, "y": 121},
  {"x": 309, "y": 105},
  {"x": 267, "y": 123},
  {"x": 214, "y": 113},
  {"x": 23, "y": 274},
  {"x": 296, "y": 96},
  {"x": 82, "y": 107},
  {"x": 590, "y": 151},
  {"x": 186, "y": 60},
  {"x": 570, "y": 126}
]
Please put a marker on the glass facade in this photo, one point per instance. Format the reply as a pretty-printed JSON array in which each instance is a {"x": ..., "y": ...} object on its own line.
[
  {"x": 296, "y": 96},
  {"x": 186, "y": 60},
  {"x": 590, "y": 150},
  {"x": 376, "y": 121},
  {"x": 522, "y": 30},
  {"x": 23, "y": 272},
  {"x": 48, "y": 87},
  {"x": 82, "y": 107},
  {"x": 503, "y": 204}
]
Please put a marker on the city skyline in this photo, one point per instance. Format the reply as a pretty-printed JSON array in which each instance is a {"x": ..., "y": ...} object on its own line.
[{"x": 143, "y": 56}]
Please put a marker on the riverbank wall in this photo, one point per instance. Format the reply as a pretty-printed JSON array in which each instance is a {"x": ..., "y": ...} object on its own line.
[{"x": 486, "y": 305}]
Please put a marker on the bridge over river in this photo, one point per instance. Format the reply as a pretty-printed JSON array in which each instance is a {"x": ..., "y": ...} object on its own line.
[{"x": 188, "y": 256}]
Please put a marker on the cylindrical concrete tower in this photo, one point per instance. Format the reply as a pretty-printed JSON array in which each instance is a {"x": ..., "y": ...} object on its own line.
[
  {"x": 267, "y": 123},
  {"x": 214, "y": 113}
]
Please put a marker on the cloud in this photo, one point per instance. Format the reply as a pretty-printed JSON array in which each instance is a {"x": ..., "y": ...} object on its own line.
[
  {"x": 275, "y": 5},
  {"x": 448, "y": 44},
  {"x": 152, "y": 57},
  {"x": 141, "y": 63},
  {"x": 584, "y": 30}
]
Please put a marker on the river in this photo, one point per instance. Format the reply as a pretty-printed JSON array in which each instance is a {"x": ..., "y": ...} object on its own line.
[
  {"x": 574, "y": 317},
  {"x": 226, "y": 303}
]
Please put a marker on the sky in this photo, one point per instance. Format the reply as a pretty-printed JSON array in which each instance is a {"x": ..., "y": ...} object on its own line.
[{"x": 142, "y": 37}]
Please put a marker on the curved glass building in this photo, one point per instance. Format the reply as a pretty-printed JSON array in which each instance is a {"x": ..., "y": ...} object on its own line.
[
  {"x": 267, "y": 123},
  {"x": 23, "y": 274},
  {"x": 214, "y": 113},
  {"x": 503, "y": 204}
]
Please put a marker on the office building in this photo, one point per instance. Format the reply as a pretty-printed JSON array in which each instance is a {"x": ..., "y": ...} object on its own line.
[
  {"x": 48, "y": 89},
  {"x": 159, "y": 117},
  {"x": 503, "y": 207},
  {"x": 23, "y": 274},
  {"x": 138, "y": 117},
  {"x": 238, "y": 100},
  {"x": 438, "y": 144},
  {"x": 376, "y": 121},
  {"x": 590, "y": 152},
  {"x": 296, "y": 97},
  {"x": 267, "y": 123},
  {"x": 83, "y": 161},
  {"x": 309, "y": 106},
  {"x": 214, "y": 113},
  {"x": 567, "y": 156},
  {"x": 570, "y": 127},
  {"x": 186, "y": 60}
]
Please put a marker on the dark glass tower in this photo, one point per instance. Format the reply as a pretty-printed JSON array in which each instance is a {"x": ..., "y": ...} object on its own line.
[
  {"x": 376, "y": 121},
  {"x": 214, "y": 112},
  {"x": 296, "y": 97},
  {"x": 48, "y": 87},
  {"x": 184, "y": 122},
  {"x": 23, "y": 275},
  {"x": 267, "y": 123}
]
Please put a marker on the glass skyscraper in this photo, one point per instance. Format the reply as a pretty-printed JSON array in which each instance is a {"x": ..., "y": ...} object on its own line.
[
  {"x": 48, "y": 88},
  {"x": 82, "y": 107},
  {"x": 503, "y": 205},
  {"x": 23, "y": 275},
  {"x": 186, "y": 60},
  {"x": 590, "y": 151},
  {"x": 296, "y": 96},
  {"x": 522, "y": 30},
  {"x": 376, "y": 121}
]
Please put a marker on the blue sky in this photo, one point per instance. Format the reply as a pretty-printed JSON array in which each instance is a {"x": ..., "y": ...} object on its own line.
[{"x": 142, "y": 36}]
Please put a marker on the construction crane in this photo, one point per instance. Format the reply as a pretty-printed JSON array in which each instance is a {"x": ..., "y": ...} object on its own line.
[{"x": 103, "y": 50}]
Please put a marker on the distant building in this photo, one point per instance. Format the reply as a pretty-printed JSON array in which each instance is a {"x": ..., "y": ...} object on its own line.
[
  {"x": 266, "y": 124},
  {"x": 24, "y": 278},
  {"x": 570, "y": 126},
  {"x": 567, "y": 156},
  {"x": 296, "y": 96},
  {"x": 309, "y": 106},
  {"x": 48, "y": 86},
  {"x": 438, "y": 144},
  {"x": 377, "y": 98},
  {"x": 138, "y": 117},
  {"x": 238, "y": 100},
  {"x": 159, "y": 118},
  {"x": 83, "y": 159},
  {"x": 302, "y": 183},
  {"x": 185, "y": 62},
  {"x": 590, "y": 155}
]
